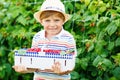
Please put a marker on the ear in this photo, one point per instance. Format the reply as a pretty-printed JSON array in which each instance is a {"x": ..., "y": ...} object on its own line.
[{"x": 41, "y": 22}]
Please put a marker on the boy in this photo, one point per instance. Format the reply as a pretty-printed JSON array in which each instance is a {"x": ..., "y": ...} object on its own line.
[{"x": 52, "y": 16}]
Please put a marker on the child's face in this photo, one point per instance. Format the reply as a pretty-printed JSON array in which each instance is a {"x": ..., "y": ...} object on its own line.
[{"x": 52, "y": 25}]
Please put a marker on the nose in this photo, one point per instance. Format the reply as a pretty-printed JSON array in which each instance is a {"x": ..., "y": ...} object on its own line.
[{"x": 52, "y": 24}]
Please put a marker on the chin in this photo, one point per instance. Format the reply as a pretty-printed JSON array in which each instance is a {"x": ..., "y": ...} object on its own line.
[{"x": 54, "y": 33}]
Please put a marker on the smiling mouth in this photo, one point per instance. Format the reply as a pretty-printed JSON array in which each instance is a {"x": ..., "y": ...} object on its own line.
[{"x": 52, "y": 29}]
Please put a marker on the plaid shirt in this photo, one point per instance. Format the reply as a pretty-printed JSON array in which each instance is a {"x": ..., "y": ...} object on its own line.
[{"x": 63, "y": 41}]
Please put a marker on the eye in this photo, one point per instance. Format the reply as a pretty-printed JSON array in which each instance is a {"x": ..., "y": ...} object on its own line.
[
  {"x": 47, "y": 20},
  {"x": 57, "y": 20}
]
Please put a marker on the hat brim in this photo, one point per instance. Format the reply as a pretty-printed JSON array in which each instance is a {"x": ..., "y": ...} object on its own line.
[{"x": 37, "y": 16}]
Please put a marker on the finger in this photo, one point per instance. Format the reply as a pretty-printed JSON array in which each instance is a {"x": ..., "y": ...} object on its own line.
[
  {"x": 57, "y": 69},
  {"x": 54, "y": 68},
  {"x": 13, "y": 67},
  {"x": 23, "y": 68}
]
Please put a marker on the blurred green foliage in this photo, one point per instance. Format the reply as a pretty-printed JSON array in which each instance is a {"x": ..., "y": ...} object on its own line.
[{"x": 95, "y": 25}]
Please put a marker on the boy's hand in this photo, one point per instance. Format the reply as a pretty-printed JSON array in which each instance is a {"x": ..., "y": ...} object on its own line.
[
  {"x": 20, "y": 69},
  {"x": 56, "y": 67},
  {"x": 23, "y": 69}
]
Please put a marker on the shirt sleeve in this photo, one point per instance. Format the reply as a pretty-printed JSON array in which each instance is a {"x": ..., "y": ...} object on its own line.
[
  {"x": 35, "y": 40},
  {"x": 72, "y": 42}
]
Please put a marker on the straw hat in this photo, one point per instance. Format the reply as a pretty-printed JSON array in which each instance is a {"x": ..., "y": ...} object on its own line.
[{"x": 54, "y": 5}]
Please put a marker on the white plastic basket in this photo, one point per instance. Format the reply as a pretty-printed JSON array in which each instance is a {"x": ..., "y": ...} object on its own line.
[{"x": 43, "y": 60}]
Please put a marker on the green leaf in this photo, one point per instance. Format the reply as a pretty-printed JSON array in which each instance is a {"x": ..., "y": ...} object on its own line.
[
  {"x": 102, "y": 9},
  {"x": 84, "y": 79},
  {"x": 117, "y": 42},
  {"x": 99, "y": 78},
  {"x": 93, "y": 73},
  {"x": 101, "y": 35},
  {"x": 103, "y": 22},
  {"x": 69, "y": 6},
  {"x": 99, "y": 46},
  {"x": 113, "y": 78},
  {"x": 111, "y": 45},
  {"x": 116, "y": 58},
  {"x": 116, "y": 73},
  {"x": 107, "y": 63},
  {"x": 111, "y": 28},
  {"x": 14, "y": 11},
  {"x": 88, "y": 18},
  {"x": 97, "y": 60},
  {"x": 62, "y": 53},
  {"x": 75, "y": 75},
  {"x": 2, "y": 72},
  {"x": 118, "y": 22},
  {"x": 22, "y": 20},
  {"x": 75, "y": 16},
  {"x": 87, "y": 2},
  {"x": 92, "y": 7},
  {"x": 84, "y": 63},
  {"x": 2, "y": 49},
  {"x": 8, "y": 68}
]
